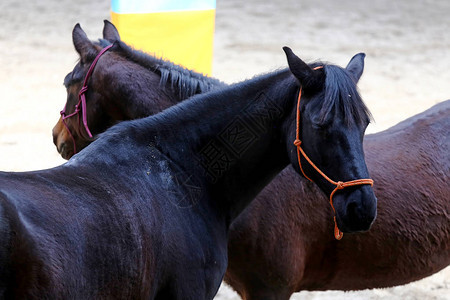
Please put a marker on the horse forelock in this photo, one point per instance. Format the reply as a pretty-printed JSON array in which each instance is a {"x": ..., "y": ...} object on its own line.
[
  {"x": 75, "y": 75},
  {"x": 103, "y": 43},
  {"x": 187, "y": 82},
  {"x": 342, "y": 93}
]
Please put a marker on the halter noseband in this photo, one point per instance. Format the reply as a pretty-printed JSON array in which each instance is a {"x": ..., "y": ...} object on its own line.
[
  {"x": 81, "y": 105},
  {"x": 339, "y": 184}
]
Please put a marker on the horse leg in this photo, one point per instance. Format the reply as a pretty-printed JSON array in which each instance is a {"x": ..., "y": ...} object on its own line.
[
  {"x": 191, "y": 285},
  {"x": 186, "y": 291},
  {"x": 252, "y": 282},
  {"x": 283, "y": 293},
  {"x": 254, "y": 289}
]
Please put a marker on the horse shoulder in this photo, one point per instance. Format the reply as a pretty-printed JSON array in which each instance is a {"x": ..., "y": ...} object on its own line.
[{"x": 192, "y": 243}]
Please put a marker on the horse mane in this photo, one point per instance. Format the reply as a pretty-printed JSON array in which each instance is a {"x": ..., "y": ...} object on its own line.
[
  {"x": 187, "y": 82},
  {"x": 342, "y": 93}
]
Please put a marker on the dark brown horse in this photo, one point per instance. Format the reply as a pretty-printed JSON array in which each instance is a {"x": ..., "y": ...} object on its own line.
[
  {"x": 144, "y": 211},
  {"x": 138, "y": 84},
  {"x": 280, "y": 245}
]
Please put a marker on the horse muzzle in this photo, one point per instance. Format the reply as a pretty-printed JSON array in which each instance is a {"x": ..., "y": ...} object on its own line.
[
  {"x": 356, "y": 209},
  {"x": 62, "y": 140}
]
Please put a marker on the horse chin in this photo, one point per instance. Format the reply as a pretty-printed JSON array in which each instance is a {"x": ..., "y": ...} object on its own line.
[
  {"x": 355, "y": 211},
  {"x": 65, "y": 150}
]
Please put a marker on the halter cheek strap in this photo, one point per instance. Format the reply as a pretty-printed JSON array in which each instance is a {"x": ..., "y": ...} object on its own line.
[
  {"x": 339, "y": 184},
  {"x": 81, "y": 105}
]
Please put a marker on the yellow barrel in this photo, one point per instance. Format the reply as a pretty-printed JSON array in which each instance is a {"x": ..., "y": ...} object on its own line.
[{"x": 181, "y": 31}]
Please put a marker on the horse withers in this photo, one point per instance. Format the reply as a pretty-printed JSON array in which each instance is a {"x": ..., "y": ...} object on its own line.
[{"x": 144, "y": 211}]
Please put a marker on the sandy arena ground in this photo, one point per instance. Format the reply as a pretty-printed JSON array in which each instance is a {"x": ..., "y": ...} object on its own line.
[{"x": 407, "y": 70}]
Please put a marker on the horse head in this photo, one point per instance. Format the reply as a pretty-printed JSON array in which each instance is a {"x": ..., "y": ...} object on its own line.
[
  {"x": 116, "y": 89},
  {"x": 331, "y": 121},
  {"x": 69, "y": 134},
  {"x": 125, "y": 84}
]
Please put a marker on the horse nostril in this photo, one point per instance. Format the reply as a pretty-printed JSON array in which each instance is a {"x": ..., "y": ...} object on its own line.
[
  {"x": 61, "y": 147},
  {"x": 352, "y": 210},
  {"x": 359, "y": 217}
]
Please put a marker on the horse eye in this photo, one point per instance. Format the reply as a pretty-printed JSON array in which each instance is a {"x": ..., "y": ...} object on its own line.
[{"x": 319, "y": 126}]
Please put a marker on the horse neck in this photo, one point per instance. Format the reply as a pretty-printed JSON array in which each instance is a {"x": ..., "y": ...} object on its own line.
[
  {"x": 130, "y": 91},
  {"x": 142, "y": 85},
  {"x": 232, "y": 138}
]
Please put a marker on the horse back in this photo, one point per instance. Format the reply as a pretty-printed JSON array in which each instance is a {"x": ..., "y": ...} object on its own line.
[{"x": 418, "y": 148}]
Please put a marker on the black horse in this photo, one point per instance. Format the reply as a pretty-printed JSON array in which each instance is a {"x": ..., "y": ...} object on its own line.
[{"x": 144, "y": 211}]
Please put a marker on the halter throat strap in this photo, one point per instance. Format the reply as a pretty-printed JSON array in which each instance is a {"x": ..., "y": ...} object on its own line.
[
  {"x": 81, "y": 105},
  {"x": 339, "y": 184}
]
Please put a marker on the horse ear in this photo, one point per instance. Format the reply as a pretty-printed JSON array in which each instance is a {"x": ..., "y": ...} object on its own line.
[
  {"x": 82, "y": 43},
  {"x": 299, "y": 68},
  {"x": 110, "y": 32},
  {"x": 356, "y": 66}
]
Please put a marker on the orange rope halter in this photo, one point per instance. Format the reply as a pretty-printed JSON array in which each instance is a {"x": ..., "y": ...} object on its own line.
[{"x": 339, "y": 185}]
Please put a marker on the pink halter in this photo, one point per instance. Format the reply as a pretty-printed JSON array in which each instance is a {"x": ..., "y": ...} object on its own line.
[{"x": 81, "y": 105}]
